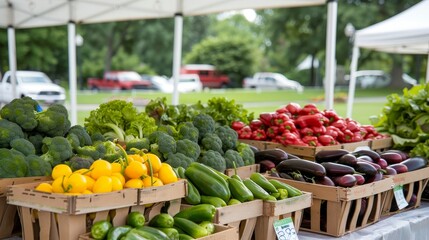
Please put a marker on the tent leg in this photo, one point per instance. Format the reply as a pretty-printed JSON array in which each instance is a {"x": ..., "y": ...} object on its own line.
[
  {"x": 352, "y": 81},
  {"x": 330, "y": 54},
  {"x": 177, "y": 55},
  {"x": 427, "y": 71},
  {"x": 72, "y": 72},
  {"x": 12, "y": 58}
]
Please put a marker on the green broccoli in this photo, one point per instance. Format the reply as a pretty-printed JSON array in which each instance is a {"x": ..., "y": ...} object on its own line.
[
  {"x": 186, "y": 130},
  {"x": 170, "y": 130},
  {"x": 56, "y": 150},
  {"x": 78, "y": 162},
  {"x": 113, "y": 152},
  {"x": 179, "y": 160},
  {"x": 163, "y": 144},
  {"x": 37, "y": 166},
  {"x": 213, "y": 159},
  {"x": 98, "y": 137},
  {"x": 22, "y": 112},
  {"x": 246, "y": 153},
  {"x": 232, "y": 156},
  {"x": 73, "y": 140},
  {"x": 13, "y": 164},
  {"x": 37, "y": 140},
  {"x": 23, "y": 145},
  {"x": 82, "y": 134},
  {"x": 96, "y": 151},
  {"x": 9, "y": 131},
  {"x": 188, "y": 148},
  {"x": 139, "y": 143},
  {"x": 228, "y": 136},
  {"x": 212, "y": 142},
  {"x": 204, "y": 123},
  {"x": 54, "y": 121}
]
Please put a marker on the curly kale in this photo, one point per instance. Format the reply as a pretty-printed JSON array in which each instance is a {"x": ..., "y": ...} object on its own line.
[
  {"x": 54, "y": 121},
  {"x": 8, "y": 132},
  {"x": 228, "y": 136},
  {"x": 232, "y": 156},
  {"x": 204, "y": 123},
  {"x": 186, "y": 130},
  {"x": 213, "y": 159},
  {"x": 179, "y": 160},
  {"x": 82, "y": 134},
  {"x": 188, "y": 148},
  {"x": 56, "y": 150},
  {"x": 23, "y": 145},
  {"x": 21, "y": 111},
  {"x": 246, "y": 153},
  {"x": 37, "y": 166},
  {"x": 13, "y": 164},
  {"x": 211, "y": 141}
]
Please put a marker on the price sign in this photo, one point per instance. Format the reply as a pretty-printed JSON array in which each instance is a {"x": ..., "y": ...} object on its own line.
[
  {"x": 285, "y": 230},
  {"x": 399, "y": 197}
]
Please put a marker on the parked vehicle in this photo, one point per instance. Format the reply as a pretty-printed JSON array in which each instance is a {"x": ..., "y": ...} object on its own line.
[
  {"x": 208, "y": 75},
  {"x": 269, "y": 80},
  {"x": 377, "y": 79},
  {"x": 119, "y": 80},
  {"x": 161, "y": 83},
  {"x": 36, "y": 85},
  {"x": 188, "y": 83}
]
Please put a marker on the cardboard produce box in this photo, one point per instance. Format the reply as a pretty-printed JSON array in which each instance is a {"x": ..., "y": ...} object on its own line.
[
  {"x": 337, "y": 211},
  {"x": 9, "y": 213},
  {"x": 275, "y": 210},
  {"x": 309, "y": 153},
  {"x": 63, "y": 217},
  {"x": 413, "y": 183}
]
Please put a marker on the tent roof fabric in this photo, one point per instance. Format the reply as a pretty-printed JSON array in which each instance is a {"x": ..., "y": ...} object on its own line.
[
  {"x": 406, "y": 32},
  {"x": 43, "y": 13}
]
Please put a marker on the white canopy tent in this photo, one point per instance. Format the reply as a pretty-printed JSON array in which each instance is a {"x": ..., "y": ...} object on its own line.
[
  {"x": 16, "y": 14},
  {"x": 404, "y": 33}
]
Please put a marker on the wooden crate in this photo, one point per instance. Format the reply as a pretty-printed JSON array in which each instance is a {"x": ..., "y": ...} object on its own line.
[
  {"x": 337, "y": 211},
  {"x": 63, "y": 217},
  {"x": 221, "y": 233},
  {"x": 9, "y": 223},
  {"x": 413, "y": 183},
  {"x": 309, "y": 153},
  {"x": 244, "y": 172},
  {"x": 276, "y": 210}
]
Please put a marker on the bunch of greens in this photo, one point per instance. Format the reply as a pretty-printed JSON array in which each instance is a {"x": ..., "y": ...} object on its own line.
[{"x": 406, "y": 119}]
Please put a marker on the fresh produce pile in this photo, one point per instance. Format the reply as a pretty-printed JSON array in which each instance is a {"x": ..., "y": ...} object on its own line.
[
  {"x": 209, "y": 186},
  {"x": 305, "y": 126},
  {"x": 347, "y": 169},
  {"x": 406, "y": 118}
]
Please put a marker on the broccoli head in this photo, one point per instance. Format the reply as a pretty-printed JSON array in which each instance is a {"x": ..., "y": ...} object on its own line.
[
  {"x": 37, "y": 140},
  {"x": 186, "y": 130},
  {"x": 204, "y": 123},
  {"x": 23, "y": 145},
  {"x": 98, "y": 137},
  {"x": 164, "y": 144},
  {"x": 13, "y": 164},
  {"x": 21, "y": 111},
  {"x": 212, "y": 142},
  {"x": 8, "y": 132},
  {"x": 73, "y": 140},
  {"x": 139, "y": 143},
  {"x": 228, "y": 136},
  {"x": 246, "y": 153},
  {"x": 56, "y": 150},
  {"x": 232, "y": 156},
  {"x": 113, "y": 152},
  {"x": 213, "y": 159},
  {"x": 170, "y": 130},
  {"x": 77, "y": 162},
  {"x": 82, "y": 134},
  {"x": 37, "y": 166},
  {"x": 188, "y": 148},
  {"x": 179, "y": 160},
  {"x": 54, "y": 121},
  {"x": 95, "y": 151}
]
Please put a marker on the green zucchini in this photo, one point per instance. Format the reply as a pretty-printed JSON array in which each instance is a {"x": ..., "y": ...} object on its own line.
[
  {"x": 258, "y": 191},
  {"x": 292, "y": 191},
  {"x": 115, "y": 233},
  {"x": 183, "y": 236},
  {"x": 263, "y": 182},
  {"x": 239, "y": 191},
  {"x": 156, "y": 233},
  {"x": 172, "y": 233},
  {"x": 163, "y": 220},
  {"x": 189, "y": 227},
  {"x": 198, "y": 213},
  {"x": 215, "y": 201}
]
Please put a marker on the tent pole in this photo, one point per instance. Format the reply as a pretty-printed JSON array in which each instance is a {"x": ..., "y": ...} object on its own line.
[
  {"x": 12, "y": 58},
  {"x": 177, "y": 55},
  {"x": 72, "y": 71},
  {"x": 330, "y": 54},
  {"x": 427, "y": 71},
  {"x": 352, "y": 81}
]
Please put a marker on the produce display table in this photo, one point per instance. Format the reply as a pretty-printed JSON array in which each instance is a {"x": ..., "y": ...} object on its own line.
[{"x": 406, "y": 225}]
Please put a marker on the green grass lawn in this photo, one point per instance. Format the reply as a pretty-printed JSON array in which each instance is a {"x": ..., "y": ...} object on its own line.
[{"x": 254, "y": 101}]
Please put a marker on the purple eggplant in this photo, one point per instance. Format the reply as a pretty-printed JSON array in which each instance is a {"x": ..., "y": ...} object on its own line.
[
  {"x": 365, "y": 168},
  {"x": 391, "y": 157},
  {"x": 366, "y": 152},
  {"x": 359, "y": 179},
  {"x": 415, "y": 163},
  {"x": 347, "y": 180},
  {"x": 275, "y": 155},
  {"x": 390, "y": 171},
  {"x": 382, "y": 163},
  {"x": 330, "y": 155},
  {"x": 266, "y": 165},
  {"x": 403, "y": 154},
  {"x": 348, "y": 159},
  {"x": 378, "y": 167},
  {"x": 337, "y": 169},
  {"x": 399, "y": 167},
  {"x": 324, "y": 181},
  {"x": 365, "y": 158},
  {"x": 305, "y": 167}
]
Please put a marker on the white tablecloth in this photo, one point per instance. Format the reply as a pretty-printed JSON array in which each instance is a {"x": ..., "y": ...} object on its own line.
[{"x": 408, "y": 225}]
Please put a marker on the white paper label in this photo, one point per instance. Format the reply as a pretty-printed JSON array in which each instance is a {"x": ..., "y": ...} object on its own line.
[
  {"x": 399, "y": 196},
  {"x": 285, "y": 230}
]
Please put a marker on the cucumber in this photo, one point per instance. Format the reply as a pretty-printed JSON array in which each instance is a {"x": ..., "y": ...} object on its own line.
[
  {"x": 198, "y": 213},
  {"x": 194, "y": 230},
  {"x": 154, "y": 232},
  {"x": 183, "y": 236},
  {"x": 292, "y": 191},
  {"x": 163, "y": 220},
  {"x": 215, "y": 201}
]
